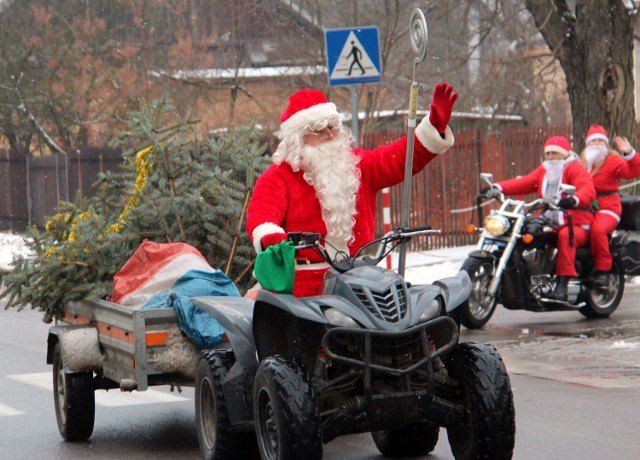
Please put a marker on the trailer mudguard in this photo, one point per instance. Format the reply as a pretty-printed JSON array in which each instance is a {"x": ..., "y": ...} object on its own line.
[{"x": 79, "y": 345}]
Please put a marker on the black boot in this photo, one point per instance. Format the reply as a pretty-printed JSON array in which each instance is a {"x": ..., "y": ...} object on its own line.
[
  {"x": 600, "y": 279},
  {"x": 560, "y": 292}
]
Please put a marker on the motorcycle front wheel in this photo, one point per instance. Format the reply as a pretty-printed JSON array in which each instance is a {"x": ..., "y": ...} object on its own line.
[
  {"x": 603, "y": 301},
  {"x": 479, "y": 307}
]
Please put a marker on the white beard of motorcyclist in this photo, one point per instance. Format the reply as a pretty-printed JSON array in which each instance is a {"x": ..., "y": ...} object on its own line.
[
  {"x": 331, "y": 168},
  {"x": 553, "y": 177},
  {"x": 594, "y": 154},
  {"x": 552, "y": 180}
]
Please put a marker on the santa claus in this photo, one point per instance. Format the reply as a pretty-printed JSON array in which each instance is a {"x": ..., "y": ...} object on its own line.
[{"x": 318, "y": 183}]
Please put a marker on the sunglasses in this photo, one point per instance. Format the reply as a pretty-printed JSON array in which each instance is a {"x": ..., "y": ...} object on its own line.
[{"x": 325, "y": 133}]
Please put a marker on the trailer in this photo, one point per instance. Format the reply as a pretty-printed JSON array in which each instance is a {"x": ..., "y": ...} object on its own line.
[{"x": 100, "y": 345}]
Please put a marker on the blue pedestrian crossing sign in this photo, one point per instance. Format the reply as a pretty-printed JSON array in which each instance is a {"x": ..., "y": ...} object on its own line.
[{"x": 353, "y": 56}]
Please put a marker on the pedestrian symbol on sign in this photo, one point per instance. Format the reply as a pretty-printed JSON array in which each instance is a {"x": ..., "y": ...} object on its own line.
[{"x": 353, "y": 57}]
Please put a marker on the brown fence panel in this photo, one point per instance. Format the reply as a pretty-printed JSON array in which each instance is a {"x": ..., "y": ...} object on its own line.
[
  {"x": 14, "y": 209},
  {"x": 443, "y": 194},
  {"x": 32, "y": 187}
]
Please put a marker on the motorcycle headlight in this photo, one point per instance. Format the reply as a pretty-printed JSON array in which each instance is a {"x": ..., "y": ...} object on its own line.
[
  {"x": 339, "y": 319},
  {"x": 496, "y": 224}
]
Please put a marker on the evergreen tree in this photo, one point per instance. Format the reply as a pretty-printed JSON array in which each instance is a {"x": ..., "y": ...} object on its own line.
[{"x": 172, "y": 187}]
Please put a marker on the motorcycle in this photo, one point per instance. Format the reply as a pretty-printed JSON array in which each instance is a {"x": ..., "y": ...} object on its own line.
[
  {"x": 371, "y": 354},
  {"x": 514, "y": 263}
]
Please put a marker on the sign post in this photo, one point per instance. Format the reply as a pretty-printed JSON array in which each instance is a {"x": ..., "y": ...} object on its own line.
[{"x": 353, "y": 56}]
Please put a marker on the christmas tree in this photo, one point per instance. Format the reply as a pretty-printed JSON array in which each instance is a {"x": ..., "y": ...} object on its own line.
[{"x": 173, "y": 186}]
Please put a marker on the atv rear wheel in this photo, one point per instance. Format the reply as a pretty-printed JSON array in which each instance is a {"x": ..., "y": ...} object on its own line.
[
  {"x": 285, "y": 411},
  {"x": 216, "y": 438},
  {"x": 415, "y": 439},
  {"x": 75, "y": 400},
  {"x": 479, "y": 307},
  {"x": 488, "y": 426},
  {"x": 603, "y": 301}
]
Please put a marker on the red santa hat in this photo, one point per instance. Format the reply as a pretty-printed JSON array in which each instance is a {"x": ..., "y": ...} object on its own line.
[
  {"x": 306, "y": 107},
  {"x": 596, "y": 132},
  {"x": 558, "y": 144}
]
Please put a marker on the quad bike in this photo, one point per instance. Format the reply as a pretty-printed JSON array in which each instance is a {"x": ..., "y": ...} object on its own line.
[
  {"x": 371, "y": 354},
  {"x": 515, "y": 259}
]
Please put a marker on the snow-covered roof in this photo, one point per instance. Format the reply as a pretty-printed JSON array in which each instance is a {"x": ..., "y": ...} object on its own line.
[{"x": 242, "y": 72}]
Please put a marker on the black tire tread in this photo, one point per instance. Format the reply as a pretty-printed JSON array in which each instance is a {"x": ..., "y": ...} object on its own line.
[
  {"x": 296, "y": 403},
  {"x": 80, "y": 401},
  {"x": 490, "y": 414},
  {"x": 229, "y": 444}
]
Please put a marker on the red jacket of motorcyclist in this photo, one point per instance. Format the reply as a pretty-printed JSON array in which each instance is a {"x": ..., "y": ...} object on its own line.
[
  {"x": 607, "y": 168},
  {"x": 561, "y": 165}
]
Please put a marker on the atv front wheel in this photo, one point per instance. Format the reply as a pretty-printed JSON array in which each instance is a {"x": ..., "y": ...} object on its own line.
[
  {"x": 488, "y": 426},
  {"x": 479, "y": 307},
  {"x": 216, "y": 437},
  {"x": 419, "y": 438},
  {"x": 75, "y": 400},
  {"x": 285, "y": 411}
]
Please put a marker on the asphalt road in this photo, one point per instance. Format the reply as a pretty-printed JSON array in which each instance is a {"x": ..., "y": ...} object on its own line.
[{"x": 575, "y": 383}]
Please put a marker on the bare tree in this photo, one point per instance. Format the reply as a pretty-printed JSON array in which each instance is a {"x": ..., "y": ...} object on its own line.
[{"x": 594, "y": 45}]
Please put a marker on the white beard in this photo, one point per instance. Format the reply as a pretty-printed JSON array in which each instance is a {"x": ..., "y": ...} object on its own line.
[
  {"x": 553, "y": 177},
  {"x": 331, "y": 169},
  {"x": 594, "y": 155}
]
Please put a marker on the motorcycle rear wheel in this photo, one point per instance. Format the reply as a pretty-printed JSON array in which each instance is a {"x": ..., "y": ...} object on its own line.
[
  {"x": 479, "y": 307},
  {"x": 603, "y": 301}
]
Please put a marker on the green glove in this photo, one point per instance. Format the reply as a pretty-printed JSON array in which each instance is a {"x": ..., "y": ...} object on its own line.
[{"x": 275, "y": 268}]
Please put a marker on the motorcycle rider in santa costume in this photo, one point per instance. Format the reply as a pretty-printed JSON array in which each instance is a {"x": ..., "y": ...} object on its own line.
[
  {"x": 607, "y": 167},
  {"x": 561, "y": 166},
  {"x": 319, "y": 183}
]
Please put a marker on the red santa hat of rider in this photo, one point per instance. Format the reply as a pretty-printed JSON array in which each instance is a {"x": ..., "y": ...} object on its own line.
[
  {"x": 329, "y": 166},
  {"x": 596, "y": 132}
]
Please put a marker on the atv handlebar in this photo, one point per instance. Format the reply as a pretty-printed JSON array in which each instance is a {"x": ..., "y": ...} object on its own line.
[{"x": 343, "y": 262}]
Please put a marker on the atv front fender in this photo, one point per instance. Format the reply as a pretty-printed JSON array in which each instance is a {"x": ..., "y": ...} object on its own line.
[
  {"x": 456, "y": 289},
  {"x": 235, "y": 315}
]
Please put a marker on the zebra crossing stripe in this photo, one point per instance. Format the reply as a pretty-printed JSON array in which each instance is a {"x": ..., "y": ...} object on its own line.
[{"x": 112, "y": 398}]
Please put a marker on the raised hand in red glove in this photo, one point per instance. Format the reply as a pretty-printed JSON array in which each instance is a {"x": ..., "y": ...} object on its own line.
[
  {"x": 272, "y": 239},
  {"x": 441, "y": 106}
]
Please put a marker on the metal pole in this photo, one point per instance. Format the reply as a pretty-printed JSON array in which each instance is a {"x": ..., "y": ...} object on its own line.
[
  {"x": 418, "y": 33},
  {"x": 354, "y": 115}
]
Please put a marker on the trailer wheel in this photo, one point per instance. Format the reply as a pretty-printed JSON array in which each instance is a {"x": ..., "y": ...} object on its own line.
[
  {"x": 74, "y": 398},
  {"x": 488, "y": 426},
  {"x": 415, "y": 439},
  {"x": 286, "y": 412},
  {"x": 216, "y": 437}
]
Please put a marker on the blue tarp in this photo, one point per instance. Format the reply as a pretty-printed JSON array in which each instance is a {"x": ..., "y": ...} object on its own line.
[{"x": 198, "y": 326}]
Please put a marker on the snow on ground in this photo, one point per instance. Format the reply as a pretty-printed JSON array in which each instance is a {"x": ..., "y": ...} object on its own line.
[{"x": 11, "y": 245}]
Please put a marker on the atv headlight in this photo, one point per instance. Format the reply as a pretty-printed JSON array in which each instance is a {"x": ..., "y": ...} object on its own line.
[
  {"x": 431, "y": 311},
  {"x": 339, "y": 319},
  {"x": 496, "y": 224}
]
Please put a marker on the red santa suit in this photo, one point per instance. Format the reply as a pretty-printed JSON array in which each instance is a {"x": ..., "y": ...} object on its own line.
[
  {"x": 574, "y": 173},
  {"x": 284, "y": 201},
  {"x": 606, "y": 179}
]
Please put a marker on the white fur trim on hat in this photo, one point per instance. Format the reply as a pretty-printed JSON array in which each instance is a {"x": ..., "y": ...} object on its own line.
[
  {"x": 263, "y": 230},
  {"x": 556, "y": 148},
  {"x": 303, "y": 118},
  {"x": 430, "y": 138},
  {"x": 595, "y": 136}
]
